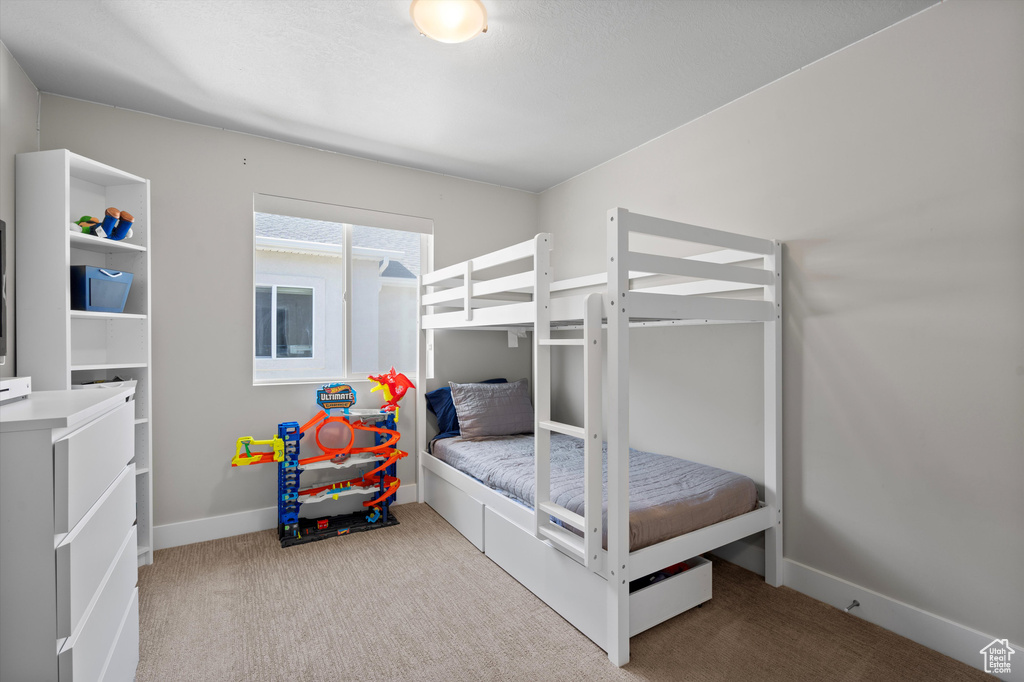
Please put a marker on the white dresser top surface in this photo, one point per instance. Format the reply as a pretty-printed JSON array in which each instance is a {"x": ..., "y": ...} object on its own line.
[{"x": 59, "y": 409}]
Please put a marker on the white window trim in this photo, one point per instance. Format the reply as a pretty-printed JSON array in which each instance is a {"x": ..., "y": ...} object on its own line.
[{"x": 347, "y": 216}]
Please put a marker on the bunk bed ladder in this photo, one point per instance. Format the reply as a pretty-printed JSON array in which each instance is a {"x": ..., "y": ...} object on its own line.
[{"x": 554, "y": 520}]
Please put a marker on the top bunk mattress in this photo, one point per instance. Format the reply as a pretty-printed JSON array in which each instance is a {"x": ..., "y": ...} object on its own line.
[{"x": 668, "y": 496}]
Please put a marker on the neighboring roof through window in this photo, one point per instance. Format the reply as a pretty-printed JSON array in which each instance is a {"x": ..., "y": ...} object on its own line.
[{"x": 323, "y": 232}]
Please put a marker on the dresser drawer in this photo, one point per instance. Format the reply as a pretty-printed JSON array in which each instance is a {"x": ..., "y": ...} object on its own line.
[
  {"x": 86, "y": 463},
  {"x": 86, "y": 553},
  {"x": 85, "y": 653},
  {"x": 124, "y": 656}
]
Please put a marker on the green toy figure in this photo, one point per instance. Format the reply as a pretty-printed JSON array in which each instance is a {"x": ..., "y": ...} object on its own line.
[{"x": 115, "y": 224}]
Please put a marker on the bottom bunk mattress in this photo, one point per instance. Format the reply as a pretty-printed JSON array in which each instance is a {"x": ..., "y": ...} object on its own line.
[{"x": 668, "y": 496}]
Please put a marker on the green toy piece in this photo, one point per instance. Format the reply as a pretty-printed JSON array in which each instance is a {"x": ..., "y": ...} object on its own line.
[{"x": 87, "y": 223}]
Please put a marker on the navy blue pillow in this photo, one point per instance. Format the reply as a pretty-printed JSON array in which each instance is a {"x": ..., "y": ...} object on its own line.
[{"x": 439, "y": 401}]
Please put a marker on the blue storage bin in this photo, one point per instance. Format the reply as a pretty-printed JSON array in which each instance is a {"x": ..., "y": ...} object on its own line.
[{"x": 99, "y": 289}]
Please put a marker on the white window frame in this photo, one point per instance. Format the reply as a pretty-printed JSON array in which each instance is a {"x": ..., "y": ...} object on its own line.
[
  {"x": 273, "y": 323},
  {"x": 346, "y": 216},
  {"x": 274, "y": 363}
]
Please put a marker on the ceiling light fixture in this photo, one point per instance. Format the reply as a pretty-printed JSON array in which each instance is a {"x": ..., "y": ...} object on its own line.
[{"x": 449, "y": 21}]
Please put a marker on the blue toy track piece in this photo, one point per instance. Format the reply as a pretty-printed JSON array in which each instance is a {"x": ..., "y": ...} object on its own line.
[{"x": 288, "y": 473}]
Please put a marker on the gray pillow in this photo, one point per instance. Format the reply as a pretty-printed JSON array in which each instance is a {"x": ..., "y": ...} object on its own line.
[{"x": 493, "y": 409}]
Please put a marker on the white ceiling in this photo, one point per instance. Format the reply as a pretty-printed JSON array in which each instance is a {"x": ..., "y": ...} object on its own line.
[{"x": 555, "y": 86}]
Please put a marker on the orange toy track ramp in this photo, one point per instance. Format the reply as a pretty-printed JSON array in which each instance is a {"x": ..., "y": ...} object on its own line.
[
  {"x": 392, "y": 489},
  {"x": 366, "y": 482}
]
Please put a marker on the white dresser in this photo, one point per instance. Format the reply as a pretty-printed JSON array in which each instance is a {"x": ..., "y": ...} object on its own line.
[{"x": 69, "y": 605}]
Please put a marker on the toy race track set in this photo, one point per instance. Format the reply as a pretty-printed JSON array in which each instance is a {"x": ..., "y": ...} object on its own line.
[{"x": 335, "y": 428}]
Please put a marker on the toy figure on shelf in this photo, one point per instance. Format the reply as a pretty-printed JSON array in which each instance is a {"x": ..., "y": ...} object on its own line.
[
  {"x": 394, "y": 385},
  {"x": 114, "y": 224}
]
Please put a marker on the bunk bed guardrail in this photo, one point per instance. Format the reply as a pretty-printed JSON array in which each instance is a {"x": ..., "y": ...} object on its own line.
[{"x": 504, "y": 300}]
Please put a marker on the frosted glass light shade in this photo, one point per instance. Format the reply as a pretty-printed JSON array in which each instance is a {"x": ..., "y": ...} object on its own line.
[{"x": 449, "y": 21}]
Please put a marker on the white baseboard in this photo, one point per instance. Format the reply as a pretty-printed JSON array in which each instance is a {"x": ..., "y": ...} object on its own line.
[
  {"x": 216, "y": 527},
  {"x": 213, "y": 527},
  {"x": 935, "y": 632},
  {"x": 406, "y": 494}
]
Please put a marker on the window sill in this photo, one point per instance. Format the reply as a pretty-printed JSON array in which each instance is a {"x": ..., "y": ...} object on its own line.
[{"x": 320, "y": 382}]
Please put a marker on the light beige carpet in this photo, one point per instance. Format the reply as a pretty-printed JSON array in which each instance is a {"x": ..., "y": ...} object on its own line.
[{"x": 418, "y": 602}]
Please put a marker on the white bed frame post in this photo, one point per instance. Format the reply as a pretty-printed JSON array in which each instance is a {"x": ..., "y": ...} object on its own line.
[
  {"x": 593, "y": 474},
  {"x": 421, "y": 391},
  {"x": 618, "y": 435},
  {"x": 542, "y": 377},
  {"x": 773, "y": 565}
]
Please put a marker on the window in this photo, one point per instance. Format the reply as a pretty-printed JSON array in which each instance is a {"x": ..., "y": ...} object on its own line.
[
  {"x": 333, "y": 299},
  {"x": 290, "y": 324},
  {"x": 284, "y": 322},
  {"x": 385, "y": 264}
]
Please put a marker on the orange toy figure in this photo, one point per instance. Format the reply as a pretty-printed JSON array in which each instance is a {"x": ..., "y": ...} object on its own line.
[{"x": 394, "y": 385}]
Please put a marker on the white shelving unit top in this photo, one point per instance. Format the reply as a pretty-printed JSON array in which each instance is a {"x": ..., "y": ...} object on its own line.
[{"x": 99, "y": 173}]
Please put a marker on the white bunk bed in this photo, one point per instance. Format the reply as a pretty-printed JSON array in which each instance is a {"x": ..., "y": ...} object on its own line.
[{"x": 586, "y": 584}]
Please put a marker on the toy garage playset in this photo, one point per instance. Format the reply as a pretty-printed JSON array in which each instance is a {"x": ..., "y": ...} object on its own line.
[{"x": 334, "y": 430}]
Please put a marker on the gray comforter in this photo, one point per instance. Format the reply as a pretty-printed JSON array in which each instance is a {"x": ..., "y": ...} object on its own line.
[{"x": 668, "y": 496}]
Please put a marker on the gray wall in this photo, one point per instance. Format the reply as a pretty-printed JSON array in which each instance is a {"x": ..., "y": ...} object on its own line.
[
  {"x": 893, "y": 171},
  {"x": 203, "y": 180},
  {"x": 19, "y": 113}
]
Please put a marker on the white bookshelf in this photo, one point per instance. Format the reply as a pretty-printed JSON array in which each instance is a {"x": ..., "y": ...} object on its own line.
[{"x": 58, "y": 346}]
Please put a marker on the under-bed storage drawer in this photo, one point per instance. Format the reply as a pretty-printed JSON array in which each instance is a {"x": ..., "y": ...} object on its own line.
[
  {"x": 459, "y": 509},
  {"x": 663, "y": 600},
  {"x": 86, "y": 553},
  {"x": 88, "y": 461},
  {"x": 575, "y": 592}
]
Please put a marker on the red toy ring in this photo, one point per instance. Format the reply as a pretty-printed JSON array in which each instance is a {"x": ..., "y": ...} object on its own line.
[{"x": 335, "y": 451}]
